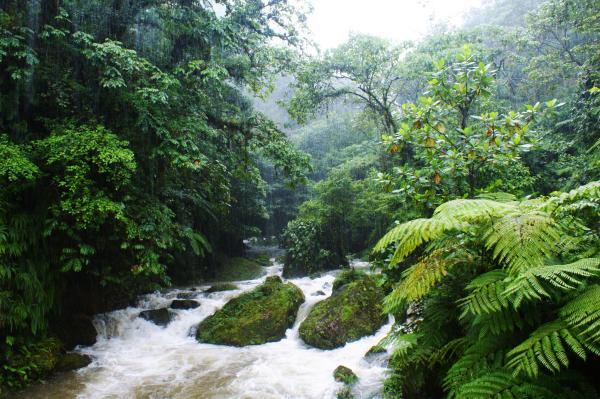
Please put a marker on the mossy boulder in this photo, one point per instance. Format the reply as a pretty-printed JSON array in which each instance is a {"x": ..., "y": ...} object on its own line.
[
  {"x": 184, "y": 304},
  {"x": 253, "y": 318},
  {"x": 72, "y": 361},
  {"x": 262, "y": 259},
  {"x": 222, "y": 287},
  {"x": 345, "y": 277},
  {"x": 238, "y": 269},
  {"x": 160, "y": 317},
  {"x": 345, "y": 393},
  {"x": 375, "y": 350},
  {"x": 345, "y": 375},
  {"x": 352, "y": 312}
]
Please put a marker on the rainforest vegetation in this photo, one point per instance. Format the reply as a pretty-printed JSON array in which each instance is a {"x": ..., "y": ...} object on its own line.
[{"x": 142, "y": 141}]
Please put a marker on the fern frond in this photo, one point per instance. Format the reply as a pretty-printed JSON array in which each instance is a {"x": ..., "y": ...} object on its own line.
[
  {"x": 404, "y": 343},
  {"x": 409, "y": 236},
  {"x": 547, "y": 348},
  {"x": 500, "y": 322},
  {"x": 533, "y": 283},
  {"x": 479, "y": 358},
  {"x": 486, "y": 294},
  {"x": 523, "y": 241},
  {"x": 583, "y": 314},
  {"x": 473, "y": 210},
  {"x": 418, "y": 279},
  {"x": 501, "y": 384}
]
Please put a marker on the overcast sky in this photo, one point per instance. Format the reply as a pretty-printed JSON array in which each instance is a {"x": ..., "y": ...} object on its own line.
[{"x": 397, "y": 20}]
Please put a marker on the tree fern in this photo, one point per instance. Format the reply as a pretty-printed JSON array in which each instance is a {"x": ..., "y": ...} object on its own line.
[
  {"x": 535, "y": 282},
  {"x": 502, "y": 384},
  {"x": 583, "y": 314},
  {"x": 473, "y": 210},
  {"x": 478, "y": 359},
  {"x": 487, "y": 294},
  {"x": 547, "y": 348},
  {"x": 418, "y": 279},
  {"x": 410, "y": 235},
  {"x": 523, "y": 241},
  {"x": 524, "y": 315}
]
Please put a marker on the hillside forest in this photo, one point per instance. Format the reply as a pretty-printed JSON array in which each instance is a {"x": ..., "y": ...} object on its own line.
[{"x": 147, "y": 145}]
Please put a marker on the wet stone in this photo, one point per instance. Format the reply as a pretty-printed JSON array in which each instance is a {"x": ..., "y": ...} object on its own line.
[
  {"x": 184, "y": 304},
  {"x": 160, "y": 317}
]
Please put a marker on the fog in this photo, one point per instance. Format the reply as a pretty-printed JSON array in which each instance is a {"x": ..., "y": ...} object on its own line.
[{"x": 397, "y": 20}]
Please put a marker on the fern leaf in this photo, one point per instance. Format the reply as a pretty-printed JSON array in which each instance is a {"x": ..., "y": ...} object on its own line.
[
  {"x": 533, "y": 283},
  {"x": 474, "y": 210},
  {"x": 418, "y": 279},
  {"x": 486, "y": 294},
  {"x": 583, "y": 314},
  {"x": 409, "y": 236},
  {"x": 523, "y": 241},
  {"x": 500, "y": 384},
  {"x": 545, "y": 348}
]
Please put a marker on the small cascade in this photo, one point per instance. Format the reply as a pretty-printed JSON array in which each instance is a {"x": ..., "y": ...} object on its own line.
[{"x": 135, "y": 358}]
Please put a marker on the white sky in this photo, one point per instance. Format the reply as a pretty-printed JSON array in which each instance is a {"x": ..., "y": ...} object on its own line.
[{"x": 333, "y": 20}]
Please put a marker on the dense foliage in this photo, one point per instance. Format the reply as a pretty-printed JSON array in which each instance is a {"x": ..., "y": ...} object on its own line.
[
  {"x": 508, "y": 293},
  {"x": 128, "y": 151}
]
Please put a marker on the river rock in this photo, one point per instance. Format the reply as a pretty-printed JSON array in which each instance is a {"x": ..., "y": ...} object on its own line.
[
  {"x": 375, "y": 350},
  {"x": 72, "y": 361},
  {"x": 346, "y": 277},
  {"x": 187, "y": 295},
  {"x": 184, "y": 304},
  {"x": 352, "y": 312},
  {"x": 77, "y": 330},
  {"x": 253, "y": 318},
  {"x": 222, "y": 287},
  {"x": 160, "y": 317},
  {"x": 318, "y": 293},
  {"x": 344, "y": 393},
  {"x": 345, "y": 375}
]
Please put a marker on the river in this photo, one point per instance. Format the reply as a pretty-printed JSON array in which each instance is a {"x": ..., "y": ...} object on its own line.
[{"x": 134, "y": 358}]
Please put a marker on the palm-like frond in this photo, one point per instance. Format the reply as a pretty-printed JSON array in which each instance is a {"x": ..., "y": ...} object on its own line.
[
  {"x": 478, "y": 359},
  {"x": 546, "y": 348},
  {"x": 523, "y": 241},
  {"x": 473, "y": 210},
  {"x": 534, "y": 283},
  {"x": 501, "y": 384},
  {"x": 410, "y": 235},
  {"x": 418, "y": 279},
  {"x": 487, "y": 294},
  {"x": 583, "y": 314}
]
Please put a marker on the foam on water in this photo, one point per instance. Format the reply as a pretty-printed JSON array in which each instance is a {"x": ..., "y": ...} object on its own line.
[{"x": 134, "y": 358}]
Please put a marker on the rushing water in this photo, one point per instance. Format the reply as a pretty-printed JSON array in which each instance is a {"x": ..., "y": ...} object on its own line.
[{"x": 134, "y": 358}]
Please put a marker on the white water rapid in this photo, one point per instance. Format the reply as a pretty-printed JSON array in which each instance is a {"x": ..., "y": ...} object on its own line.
[{"x": 134, "y": 358}]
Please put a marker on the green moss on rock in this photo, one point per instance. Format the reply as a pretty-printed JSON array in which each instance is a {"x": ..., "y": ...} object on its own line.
[
  {"x": 345, "y": 375},
  {"x": 263, "y": 259},
  {"x": 253, "y": 318},
  {"x": 352, "y": 312},
  {"x": 237, "y": 269},
  {"x": 346, "y": 277}
]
